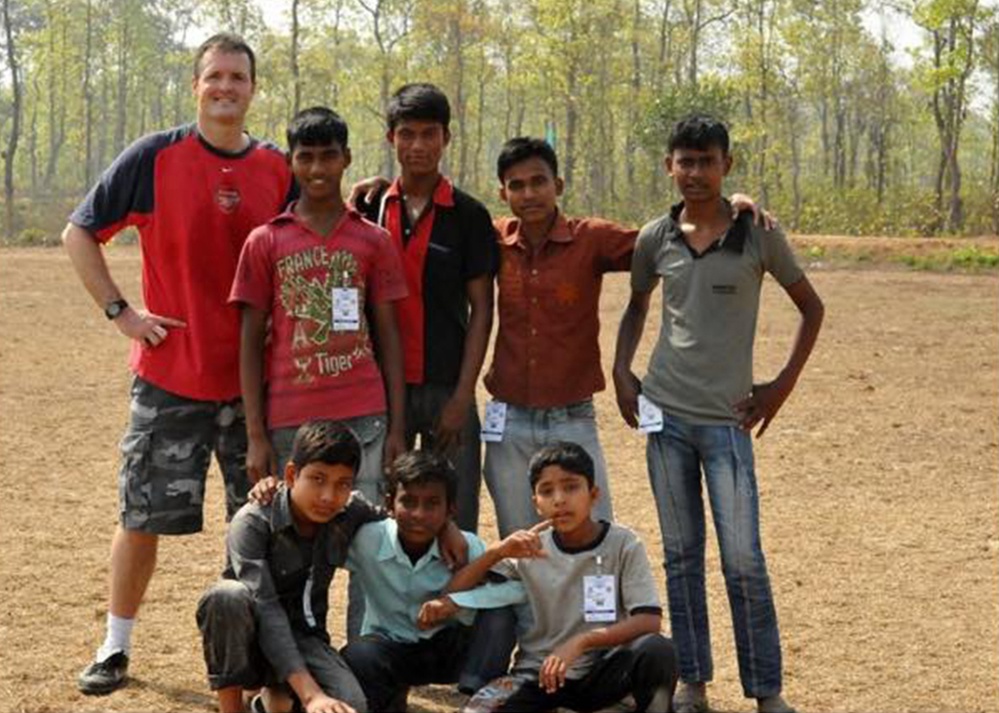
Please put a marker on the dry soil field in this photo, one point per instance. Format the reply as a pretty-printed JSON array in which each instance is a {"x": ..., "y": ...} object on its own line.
[{"x": 878, "y": 487}]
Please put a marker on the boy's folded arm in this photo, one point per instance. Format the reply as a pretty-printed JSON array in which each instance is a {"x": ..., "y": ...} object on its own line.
[
  {"x": 472, "y": 574},
  {"x": 362, "y": 511},
  {"x": 247, "y": 541},
  {"x": 491, "y": 595},
  {"x": 622, "y": 632},
  {"x": 524, "y": 544}
]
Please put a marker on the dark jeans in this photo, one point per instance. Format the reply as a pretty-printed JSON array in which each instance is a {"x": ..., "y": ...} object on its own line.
[
  {"x": 644, "y": 669},
  {"x": 424, "y": 403},
  {"x": 233, "y": 656},
  {"x": 470, "y": 656}
]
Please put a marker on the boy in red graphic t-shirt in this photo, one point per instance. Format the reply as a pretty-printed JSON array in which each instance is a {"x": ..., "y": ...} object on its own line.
[
  {"x": 318, "y": 272},
  {"x": 311, "y": 271}
]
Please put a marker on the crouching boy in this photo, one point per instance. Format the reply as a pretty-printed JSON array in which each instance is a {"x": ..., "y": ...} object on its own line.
[
  {"x": 596, "y": 614},
  {"x": 264, "y": 623},
  {"x": 412, "y": 634}
]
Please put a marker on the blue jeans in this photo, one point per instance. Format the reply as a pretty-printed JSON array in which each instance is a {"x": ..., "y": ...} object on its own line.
[
  {"x": 676, "y": 457},
  {"x": 424, "y": 403},
  {"x": 527, "y": 430}
]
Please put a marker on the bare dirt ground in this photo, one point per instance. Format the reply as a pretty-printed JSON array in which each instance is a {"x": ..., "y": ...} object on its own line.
[{"x": 878, "y": 489}]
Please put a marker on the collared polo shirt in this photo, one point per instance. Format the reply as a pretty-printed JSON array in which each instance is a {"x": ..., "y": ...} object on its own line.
[
  {"x": 317, "y": 371},
  {"x": 452, "y": 243},
  {"x": 289, "y": 575},
  {"x": 395, "y": 587},
  {"x": 547, "y": 350},
  {"x": 193, "y": 206},
  {"x": 702, "y": 363},
  {"x": 555, "y": 589}
]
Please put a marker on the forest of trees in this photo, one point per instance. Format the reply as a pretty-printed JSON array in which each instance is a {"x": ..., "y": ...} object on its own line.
[{"x": 832, "y": 130}]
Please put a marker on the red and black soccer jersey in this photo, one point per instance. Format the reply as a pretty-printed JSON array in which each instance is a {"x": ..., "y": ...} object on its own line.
[
  {"x": 193, "y": 205},
  {"x": 452, "y": 243}
]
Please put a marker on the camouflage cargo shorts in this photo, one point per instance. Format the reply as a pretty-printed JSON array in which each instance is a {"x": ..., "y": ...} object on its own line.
[{"x": 166, "y": 452}]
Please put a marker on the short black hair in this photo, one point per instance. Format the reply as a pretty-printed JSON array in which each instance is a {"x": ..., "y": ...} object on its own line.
[
  {"x": 329, "y": 442},
  {"x": 317, "y": 126},
  {"x": 418, "y": 101},
  {"x": 568, "y": 456},
  {"x": 699, "y": 132},
  {"x": 522, "y": 148},
  {"x": 422, "y": 468},
  {"x": 229, "y": 43}
]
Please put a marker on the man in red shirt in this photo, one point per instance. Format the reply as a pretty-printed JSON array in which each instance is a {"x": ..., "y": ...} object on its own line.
[{"x": 194, "y": 193}]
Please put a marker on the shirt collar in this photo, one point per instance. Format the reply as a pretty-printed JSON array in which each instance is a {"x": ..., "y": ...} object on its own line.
[
  {"x": 559, "y": 233},
  {"x": 391, "y": 548},
  {"x": 281, "y": 516},
  {"x": 733, "y": 240},
  {"x": 443, "y": 192},
  {"x": 289, "y": 215}
]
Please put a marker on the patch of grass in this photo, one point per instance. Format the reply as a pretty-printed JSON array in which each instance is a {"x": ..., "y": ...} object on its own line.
[
  {"x": 971, "y": 258},
  {"x": 36, "y": 237},
  {"x": 816, "y": 252}
]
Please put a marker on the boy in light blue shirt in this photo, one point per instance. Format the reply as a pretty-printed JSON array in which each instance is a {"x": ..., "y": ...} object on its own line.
[{"x": 412, "y": 633}]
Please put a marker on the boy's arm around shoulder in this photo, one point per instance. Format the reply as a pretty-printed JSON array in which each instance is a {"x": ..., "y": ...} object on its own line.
[
  {"x": 356, "y": 513},
  {"x": 615, "y": 243}
]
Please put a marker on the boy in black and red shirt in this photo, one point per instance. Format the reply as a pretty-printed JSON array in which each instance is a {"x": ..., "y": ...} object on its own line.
[{"x": 449, "y": 256}]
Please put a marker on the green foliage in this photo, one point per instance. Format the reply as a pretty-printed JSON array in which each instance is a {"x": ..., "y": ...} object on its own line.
[
  {"x": 970, "y": 258},
  {"x": 828, "y": 129},
  {"x": 713, "y": 95},
  {"x": 36, "y": 238}
]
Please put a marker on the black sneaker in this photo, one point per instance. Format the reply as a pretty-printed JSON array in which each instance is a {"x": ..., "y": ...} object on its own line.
[{"x": 102, "y": 677}]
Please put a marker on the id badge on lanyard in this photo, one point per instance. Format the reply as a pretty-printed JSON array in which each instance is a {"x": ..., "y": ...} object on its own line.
[{"x": 599, "y": 595}]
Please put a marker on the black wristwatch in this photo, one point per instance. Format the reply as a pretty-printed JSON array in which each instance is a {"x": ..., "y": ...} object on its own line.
[{"x": 114, "y": 308}]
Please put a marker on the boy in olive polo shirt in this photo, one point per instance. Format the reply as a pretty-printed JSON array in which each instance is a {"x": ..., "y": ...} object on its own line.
[{"x": 699, "y": 404}]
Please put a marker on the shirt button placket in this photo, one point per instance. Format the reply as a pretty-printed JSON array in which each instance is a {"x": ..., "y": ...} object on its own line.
[{"x": 532, "y": 322}]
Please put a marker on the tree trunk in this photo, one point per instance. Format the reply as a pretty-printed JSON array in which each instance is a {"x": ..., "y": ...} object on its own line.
[
  {"x": 105, "y": 122},
  {"x": 456, "y": 41},
  {"x": 480, "y": 115},
  {"x": 635, "y": 100},
  {"x": 795, "y": 167},
  {"x": 33, "y": 136},
  {"x": 695, "y": 33},
  {"x": 121, "y": 115},
  {"x": 388, "y": 158},
  {"x": 295, "y": 78},
  {"x": 571, "y": 121},
  {"x": 665, "y": 45},
  {"x": 15, "y": 129},
  {"x": 88, "y": 102}
]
